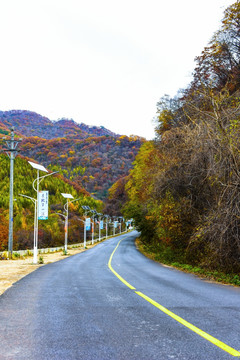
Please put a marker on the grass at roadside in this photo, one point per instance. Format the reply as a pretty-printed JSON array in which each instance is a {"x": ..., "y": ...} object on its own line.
[{"x": 167, "y": 258}]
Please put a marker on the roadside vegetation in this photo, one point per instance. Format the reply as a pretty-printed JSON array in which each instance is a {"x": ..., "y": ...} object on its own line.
[
  {"x": 183, "y": 192},
  {"x": 51, "y": 231},
  {"x": 165, "y": 256}
]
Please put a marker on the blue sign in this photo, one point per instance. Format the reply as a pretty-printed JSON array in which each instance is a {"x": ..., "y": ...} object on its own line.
[
  {"x": 43, "y": 205},
  {"x": 88, "y": 224}
]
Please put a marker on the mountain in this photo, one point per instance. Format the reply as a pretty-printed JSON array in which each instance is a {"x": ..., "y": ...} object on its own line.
[
  {"x": 28, "y": 123},
  {"x": 92, "y": 157}
]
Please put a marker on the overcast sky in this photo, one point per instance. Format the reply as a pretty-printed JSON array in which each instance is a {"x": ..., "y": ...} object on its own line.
[{"x": 101, "y": 62}]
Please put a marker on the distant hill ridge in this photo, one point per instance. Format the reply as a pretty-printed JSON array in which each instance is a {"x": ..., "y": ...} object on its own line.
[
  {"x": 93, "y": 157},
  {"x": 28, "y": 123}
]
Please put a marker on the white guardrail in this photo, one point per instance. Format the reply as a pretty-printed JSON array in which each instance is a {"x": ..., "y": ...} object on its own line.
[
  {"x": 55, "y": 249},
  {"x": 45, "y": 250}
]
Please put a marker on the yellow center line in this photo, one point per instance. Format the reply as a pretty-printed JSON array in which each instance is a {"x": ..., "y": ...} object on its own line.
[
  {"x": 115, "y": 273},
  {"x": 190, "y": 326}
]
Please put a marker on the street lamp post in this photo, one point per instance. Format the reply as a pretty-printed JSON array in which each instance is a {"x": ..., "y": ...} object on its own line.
[
  {"x": 38, "y": 167},
  {"x": 11, "y": 152},
  {"x": 120, "y": 222},
  {"x": 66, "y": 196},
  {"x": 93, "y": 230},
  {"x": 85, "y": 234},
  {"x": 99, "y": 222},
  {"x": 87, "y": 209},
  {"x": 99, "y": 230},
  {"x": 93, "y": 216},
  {"x": 113, "y": 225},
  {"x": 106, "y": 225},
  {"x": 38, "y": 180},
  {"x": 106, "y": 228}
]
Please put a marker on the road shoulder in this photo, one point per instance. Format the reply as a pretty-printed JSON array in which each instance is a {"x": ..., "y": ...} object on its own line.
[{"x": 13, "y": 270}]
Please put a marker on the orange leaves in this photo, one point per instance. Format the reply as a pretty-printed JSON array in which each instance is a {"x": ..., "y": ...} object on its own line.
[
  {"x": 3, "y": 234},
  {"x": 96, "y": 162}
]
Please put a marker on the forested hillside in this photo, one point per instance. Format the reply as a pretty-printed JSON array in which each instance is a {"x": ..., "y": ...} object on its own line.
[
  {"x": 184, "y": 189},
  {"x": 94, "y": 163},
  {"x": 91, "y": 156}
]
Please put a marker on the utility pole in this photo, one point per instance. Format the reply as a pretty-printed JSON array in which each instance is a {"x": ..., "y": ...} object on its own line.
[{"x": 12, "y": 153}]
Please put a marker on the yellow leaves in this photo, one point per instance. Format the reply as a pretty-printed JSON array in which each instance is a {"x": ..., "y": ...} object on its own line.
[
  {"x": 123, "y": 137},
  {"x": 69, "y": 161},
  {"x": 133, "y": 138},
  {"x": 96, "y": 162},
  {"x": 165, "y": 121},
  {"x": 149, "y": 217}
]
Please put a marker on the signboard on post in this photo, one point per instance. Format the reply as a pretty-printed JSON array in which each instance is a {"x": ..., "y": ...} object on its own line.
[
  {"x": 115, "y": 224},
  {"x": 43, "y": 205},
  {"x": 88, "y": 224},
  {"x": 101, "y": 224}
]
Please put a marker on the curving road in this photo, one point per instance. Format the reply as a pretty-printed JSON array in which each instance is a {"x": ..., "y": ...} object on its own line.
[{"x": 111, "y": 302}]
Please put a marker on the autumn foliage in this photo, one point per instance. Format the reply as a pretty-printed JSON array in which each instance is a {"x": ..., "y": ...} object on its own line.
[
  {"x": 184, "y": 189},
  {"x": 51, "y": 231},
  {"x": 3, "y": 233}
]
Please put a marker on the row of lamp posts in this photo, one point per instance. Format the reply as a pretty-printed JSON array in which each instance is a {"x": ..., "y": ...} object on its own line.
[
  {"x": 88, "y": 223},
  {"x": 70, "y": 199}
]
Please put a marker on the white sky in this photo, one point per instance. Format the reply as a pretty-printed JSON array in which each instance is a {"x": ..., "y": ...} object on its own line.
[{"x": 101, "y": 62}]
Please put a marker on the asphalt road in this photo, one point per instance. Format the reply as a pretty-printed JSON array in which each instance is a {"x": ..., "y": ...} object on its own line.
[{"x": 106, "y": 304}]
